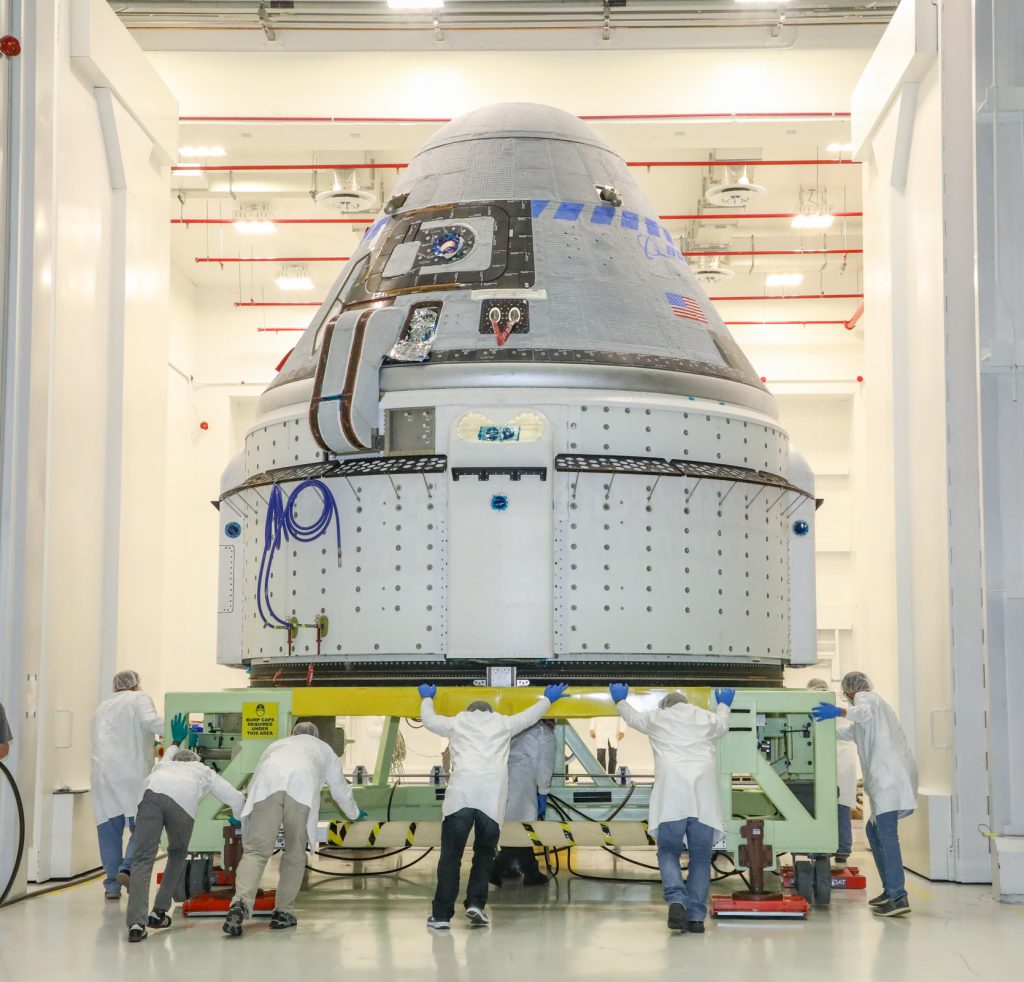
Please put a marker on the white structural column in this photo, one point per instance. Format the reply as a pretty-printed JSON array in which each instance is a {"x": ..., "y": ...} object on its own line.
[
  {"x": 913, "y": 124},
  {"x": 999, "y": 183}
]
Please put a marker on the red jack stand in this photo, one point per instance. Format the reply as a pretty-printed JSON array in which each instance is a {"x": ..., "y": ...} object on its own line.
[
  {"x": 214, "y": 902},
  {"x": 843, "y": 878},
  {"x": 757, "y": 903}
]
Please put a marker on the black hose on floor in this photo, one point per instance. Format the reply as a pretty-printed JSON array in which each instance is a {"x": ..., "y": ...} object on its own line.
[{"x": 21, "y": 831}]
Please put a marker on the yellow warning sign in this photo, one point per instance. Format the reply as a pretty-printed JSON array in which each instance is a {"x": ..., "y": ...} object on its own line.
[{"x": 259, "y": 720}]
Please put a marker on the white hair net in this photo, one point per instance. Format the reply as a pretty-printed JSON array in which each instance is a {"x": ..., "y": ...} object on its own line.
[
  {"x": 186, "y": 757},
  {"x": 672, "y": 699},
  {"x": 479, "y": 706},
  {"x": 306, "y": 729},
  {"x": 854, "y": 682},
  {"x": 819, "y": 685},
  {"x": 126, "y": 680}
]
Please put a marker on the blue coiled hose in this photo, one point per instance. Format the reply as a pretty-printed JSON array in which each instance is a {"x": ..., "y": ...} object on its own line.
[{"x": 281, "y": 524}]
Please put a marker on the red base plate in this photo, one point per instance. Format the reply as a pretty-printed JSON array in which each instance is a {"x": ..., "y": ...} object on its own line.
[
  {"x": 792, "y": 908},
  {"x": 217, "y": 904}
]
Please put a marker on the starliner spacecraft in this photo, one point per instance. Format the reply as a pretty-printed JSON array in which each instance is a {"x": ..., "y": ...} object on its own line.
[{"x": 517, "y": 438}]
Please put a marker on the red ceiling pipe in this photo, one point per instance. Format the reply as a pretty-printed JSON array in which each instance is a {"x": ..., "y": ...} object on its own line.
[
  {"x": 277, "y": 330},
  {"x": 276, "y": 221},
  {"x": 857, "y": 315},
  {"x": 772, "y": 323},
  {"x": 797, "y": 296},
  {"x": 780, "y": 252},
  {"x": 275, "y": 303},
  {"x": 629, "y": 163},
  {"x": 345, "y": 259},
  {"x": 439, "y": 119},
  {"x": 705, "y": 217},
  {"x": 273, "y": 259}
]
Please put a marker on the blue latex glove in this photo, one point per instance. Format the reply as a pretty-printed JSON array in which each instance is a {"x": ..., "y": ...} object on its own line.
[
  {"x": 428, "y": 691},
  {"x": 179, "y": 727},
  {"x": 824, "y": 711},
  {"x": 619, "y": 691},
  {"x": 362, "y": 815},
  {"x": 233, "y": 821},
  {"x": 725, "y": 696},
  {"x": 542, "y": 805},
  {"x": 193, "y": 735},
  {"x": 555, "y": 692}
]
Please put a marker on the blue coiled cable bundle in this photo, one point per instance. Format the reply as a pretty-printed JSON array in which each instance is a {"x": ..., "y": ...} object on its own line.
[{"x": 282, "y": 526}]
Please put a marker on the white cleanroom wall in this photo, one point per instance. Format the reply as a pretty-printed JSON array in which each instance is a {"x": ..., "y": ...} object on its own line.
[
  {"x": 86, "y": 401},
  {"x": 918, "y": 554}
]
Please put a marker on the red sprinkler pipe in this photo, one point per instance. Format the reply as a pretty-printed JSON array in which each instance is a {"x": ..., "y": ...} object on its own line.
[
  {"x": 277, "y": 330},
  {"x": 857, "y": 315},
  {"x": 773, "y": 323},
  {"x": 275, "y": 221},
  {"x": 703, "y": 217},
  {"x": 276, "y": 303},
  {"x": 796, "y": 296},
  {"x": 780, "y": 252},
  {"x": 273, "y": 259}
]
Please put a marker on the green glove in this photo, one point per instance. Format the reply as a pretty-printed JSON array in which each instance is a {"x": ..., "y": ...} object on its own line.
[{"x": 179, "y": 727}]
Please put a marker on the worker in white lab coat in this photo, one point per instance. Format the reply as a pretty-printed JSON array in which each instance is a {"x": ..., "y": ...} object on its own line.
[
  {"x": 476, "y": 796},
  {"x": 122, "y": 730},
  {"x": 531, "y": 761},
  {"x": 684, "y": 802},
  {"x": 170, "y": 798},
  {"x": 606, "y": 732},
  {"x": 890, "y": 782},
  {"x": 285, "y": 791},
  {"x": 846, "y": 777}
]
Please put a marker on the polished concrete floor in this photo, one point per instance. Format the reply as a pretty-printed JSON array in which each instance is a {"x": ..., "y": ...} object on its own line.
[{"x": 572, "y": 929}]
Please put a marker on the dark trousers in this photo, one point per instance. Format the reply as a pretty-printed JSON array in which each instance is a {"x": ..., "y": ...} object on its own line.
[
  {"x": 522, "y": 856},
  {"x": 607, "y": 758},
  {"x": 455, "y": 831}
]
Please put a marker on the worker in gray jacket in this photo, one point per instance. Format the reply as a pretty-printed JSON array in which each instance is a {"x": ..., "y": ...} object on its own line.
[{"x": 531, "y": 759}]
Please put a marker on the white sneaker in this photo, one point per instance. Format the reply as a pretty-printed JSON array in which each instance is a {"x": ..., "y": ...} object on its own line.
[
  {"x": 438, "y": 925},
  {"x": 477, "y": 917}
]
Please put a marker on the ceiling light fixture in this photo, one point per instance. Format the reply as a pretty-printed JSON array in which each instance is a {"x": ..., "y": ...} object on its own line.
[
  {"x": 840, "y": 148},
  {"x": 202, "y": 151},
  {"x": 294, "y": 277},
  {"x": 784, "y": 279},
  {"x": 254, "y": 219},
  {"x": 813, "y": 220},
  {"x": 415, "y": 4}
]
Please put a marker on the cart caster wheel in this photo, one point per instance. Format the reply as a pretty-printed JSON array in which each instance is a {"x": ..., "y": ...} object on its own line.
[
  {"x": 822, "y": 881},
  {"x": 803, "y": 879}
]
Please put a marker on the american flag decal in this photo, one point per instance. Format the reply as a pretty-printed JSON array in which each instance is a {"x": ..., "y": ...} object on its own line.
[{"x": 686, "y": 307}]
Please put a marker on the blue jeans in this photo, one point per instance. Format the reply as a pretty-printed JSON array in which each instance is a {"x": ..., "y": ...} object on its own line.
[
  {"x": 700, "y": 842},
  {"x": 884, "y": 838},
  {"x": 111, "y": 836},
  {"x": 845, "y": 831}
]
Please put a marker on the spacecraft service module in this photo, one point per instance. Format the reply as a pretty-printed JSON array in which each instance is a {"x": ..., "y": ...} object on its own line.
[{"x": 516, "y": 433}]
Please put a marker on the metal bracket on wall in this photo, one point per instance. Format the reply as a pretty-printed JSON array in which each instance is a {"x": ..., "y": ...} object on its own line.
[{"x": 513, "y": 473}]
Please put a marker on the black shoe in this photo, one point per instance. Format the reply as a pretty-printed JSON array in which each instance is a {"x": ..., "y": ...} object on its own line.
[
  {"x": 695, "y": 927},
  {"x": 882, "y": 898},
  {"x": 136, "y": 933},
  {"x": 893, "y": 908},
  {"x": 842, "y": 859},
  {"x": 159, "y": 918},
  {"x": 676, "y": 917},
  {"x": 534, "y": 879},
  {"x": 233, "y": 922},
  {"x": 477, "y": 917},
  {"x": 281, "y": 919}
]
